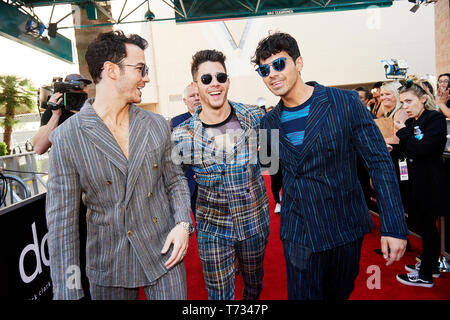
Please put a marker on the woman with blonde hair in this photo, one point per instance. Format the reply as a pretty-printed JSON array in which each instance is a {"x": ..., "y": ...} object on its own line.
[{"x": 423, "y": 138}]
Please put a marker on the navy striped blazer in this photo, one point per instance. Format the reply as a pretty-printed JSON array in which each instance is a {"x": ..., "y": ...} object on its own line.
[
  {"x": 323, "y": 204},
  {"x": 132, "y": 204}
]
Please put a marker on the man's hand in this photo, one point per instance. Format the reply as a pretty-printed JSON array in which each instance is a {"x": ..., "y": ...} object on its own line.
[
  {"x": 180, "y": 239},
  {"x": 392, "y": 249}
]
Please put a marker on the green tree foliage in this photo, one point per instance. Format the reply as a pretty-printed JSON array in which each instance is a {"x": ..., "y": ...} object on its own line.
[
  {"x": 15, "y": 93},
  {"x": 3, "y": 151}
]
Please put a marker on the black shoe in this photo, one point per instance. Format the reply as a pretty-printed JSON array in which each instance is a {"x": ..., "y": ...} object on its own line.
[
  {"x": 413, "y": 279},
  {"x": 416, "y": 268}
]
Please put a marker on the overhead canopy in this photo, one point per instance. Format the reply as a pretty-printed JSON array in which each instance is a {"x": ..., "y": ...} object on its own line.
[
  {"x": 14, "y": 20},
  {"x": 200, "y": 10}
]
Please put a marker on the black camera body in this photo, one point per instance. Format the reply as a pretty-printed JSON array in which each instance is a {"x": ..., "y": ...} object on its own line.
[{"x": 72, "y": 100}]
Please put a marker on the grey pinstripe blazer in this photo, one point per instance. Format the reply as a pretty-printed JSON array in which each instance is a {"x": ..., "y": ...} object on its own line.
[{"x": 132, "y": 204}]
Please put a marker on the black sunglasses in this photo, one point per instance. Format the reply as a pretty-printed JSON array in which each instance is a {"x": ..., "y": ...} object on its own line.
[
  {"x": 277, "y": 65},
  {"x": 220, "y": 76},
  {"x": 140, "y": 66}
]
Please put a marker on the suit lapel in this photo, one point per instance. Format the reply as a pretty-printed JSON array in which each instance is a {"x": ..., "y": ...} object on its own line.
[
  {"x": 317, "y": 114},
  {"x": 100, "y": 136},
  {"x": 205, "y": 150},
  {"x": 319, "y": 109},
  {"x": 137, "y": 147}
]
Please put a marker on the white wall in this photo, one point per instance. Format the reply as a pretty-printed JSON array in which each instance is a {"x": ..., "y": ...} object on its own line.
[{"x": 338, "y": 48}]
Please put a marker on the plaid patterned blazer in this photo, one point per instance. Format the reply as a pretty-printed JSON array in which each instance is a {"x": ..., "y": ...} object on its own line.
[
  {"x": 132, "y": 204},
  {"x": 323, "y": 204},
  {"x": 229, "y": 183}
]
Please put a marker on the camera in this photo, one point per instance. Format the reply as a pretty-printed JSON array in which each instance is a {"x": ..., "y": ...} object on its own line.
[
  {"x": 72, "y": 94},
  {"x": 395, "y": 68}
]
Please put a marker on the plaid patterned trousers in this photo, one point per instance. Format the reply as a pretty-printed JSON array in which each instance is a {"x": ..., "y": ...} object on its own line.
[{"x": 218, "y": 257}]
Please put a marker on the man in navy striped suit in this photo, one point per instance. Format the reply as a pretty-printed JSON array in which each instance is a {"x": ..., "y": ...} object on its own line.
[{"x": 324, "y": 216}]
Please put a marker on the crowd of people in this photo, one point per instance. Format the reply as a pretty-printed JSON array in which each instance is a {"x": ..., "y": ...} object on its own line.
[{"x": 140, "y": 178}]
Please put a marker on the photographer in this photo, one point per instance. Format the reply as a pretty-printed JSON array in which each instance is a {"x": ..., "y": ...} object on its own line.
[{"x": 56, "y": 112}]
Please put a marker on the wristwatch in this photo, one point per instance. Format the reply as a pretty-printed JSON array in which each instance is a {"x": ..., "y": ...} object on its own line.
[{"x": 189, "y": 227}]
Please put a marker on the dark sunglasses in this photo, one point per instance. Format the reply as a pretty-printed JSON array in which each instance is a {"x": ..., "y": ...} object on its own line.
[
  {"x": 277, "y": 65},
  {"x": 207, "y": 78},
  {"x": 140, "y": 66}
]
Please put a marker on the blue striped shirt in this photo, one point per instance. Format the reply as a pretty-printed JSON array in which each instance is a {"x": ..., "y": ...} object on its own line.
[{"x": 293, "y": 121}]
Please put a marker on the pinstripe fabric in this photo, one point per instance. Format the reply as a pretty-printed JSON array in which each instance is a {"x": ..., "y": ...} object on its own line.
[
  {"x": 171, "y": 286},
  {"x": 326, "y": 275},
  {"x": 132, "y": 204},
  {"x": 323, "y": 203},
  {"x": 218, "y": 256},
  {"x": 232, "y": 199}
]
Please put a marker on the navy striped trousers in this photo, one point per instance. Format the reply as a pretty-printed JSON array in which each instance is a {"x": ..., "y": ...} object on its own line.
[{"x": 325, "y": 275}]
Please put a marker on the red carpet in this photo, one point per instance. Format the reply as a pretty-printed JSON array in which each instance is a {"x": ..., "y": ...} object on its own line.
[{"x": 371, "y": 264}]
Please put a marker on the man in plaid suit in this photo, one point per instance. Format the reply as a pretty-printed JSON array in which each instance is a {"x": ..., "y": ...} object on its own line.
[{"x": 232, "y": 207}]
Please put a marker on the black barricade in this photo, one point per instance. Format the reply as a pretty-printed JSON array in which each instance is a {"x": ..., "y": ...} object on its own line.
[{"x": 25, "y": 261}]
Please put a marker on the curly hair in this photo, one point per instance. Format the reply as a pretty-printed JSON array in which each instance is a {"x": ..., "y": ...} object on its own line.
[
  {"x": 275, "y": 43},
  {"x": 109, "y": 46},
  {"x": 204, "y": 56}
]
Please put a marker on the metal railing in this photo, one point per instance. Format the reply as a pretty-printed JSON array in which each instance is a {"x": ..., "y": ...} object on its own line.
[{"x": 29, "y": 167}]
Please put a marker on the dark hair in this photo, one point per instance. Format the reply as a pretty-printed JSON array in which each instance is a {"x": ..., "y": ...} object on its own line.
[
  {"x": 445, "y": 75},
  {"x": 377, "y": 85},
  {"x": 275, "y": 43},
  {"x": 429, "y": 86},
  {"x": 109, "y": 46},
  {"x": 204, "y": 56},
  {"x": 366, "y": 91}
]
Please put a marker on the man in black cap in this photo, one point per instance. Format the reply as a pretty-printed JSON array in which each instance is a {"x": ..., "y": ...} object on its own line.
[{"x": 53, "y": 118}]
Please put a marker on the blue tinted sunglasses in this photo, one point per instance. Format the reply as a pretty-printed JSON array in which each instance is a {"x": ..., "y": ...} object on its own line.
[{"x": 277, "y": 65}]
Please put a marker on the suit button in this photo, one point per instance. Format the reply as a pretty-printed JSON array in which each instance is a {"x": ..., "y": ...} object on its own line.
[
  {"x": 248, "y": 190},
  {"x": 155, "y": 220},
  {"x": 130, "y": 233},
  {"x": 149, "y": 195},
  {"x": 108, "y": 182},
  {"x": 155, "y": 165}
]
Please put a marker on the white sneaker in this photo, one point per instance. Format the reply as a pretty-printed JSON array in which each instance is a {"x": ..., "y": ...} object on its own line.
[{"x": 278, "y": 208}]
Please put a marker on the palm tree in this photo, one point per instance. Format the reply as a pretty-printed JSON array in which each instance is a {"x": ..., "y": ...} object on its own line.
[{"x": 15, "y": 93}]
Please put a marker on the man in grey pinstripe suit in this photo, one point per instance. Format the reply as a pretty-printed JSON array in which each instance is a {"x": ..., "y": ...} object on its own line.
[{"x": 118, "y": 156}]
